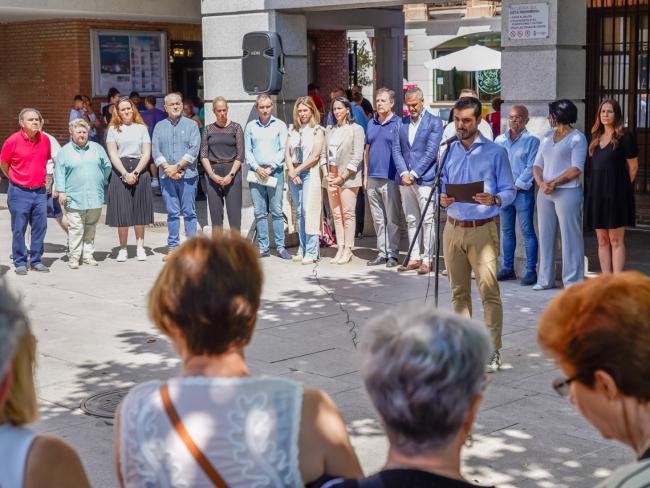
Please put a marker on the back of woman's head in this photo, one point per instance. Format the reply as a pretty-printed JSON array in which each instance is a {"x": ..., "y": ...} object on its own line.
[
  {"x": 423, "y": 370},
  {"x": 603, "y": 324},
  {"x": 17, "y": 356},
  {"x": 563, "y": 111},
  {"x": 209, "y": 291}
]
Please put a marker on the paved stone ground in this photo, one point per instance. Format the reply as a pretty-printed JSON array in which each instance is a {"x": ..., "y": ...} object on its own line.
[{"x": 94, "y": 335}]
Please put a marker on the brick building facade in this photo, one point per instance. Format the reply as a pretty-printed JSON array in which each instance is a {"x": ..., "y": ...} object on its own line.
[
  {"x": 331, "y": 60},
  {"x": 46, "y": 63}
]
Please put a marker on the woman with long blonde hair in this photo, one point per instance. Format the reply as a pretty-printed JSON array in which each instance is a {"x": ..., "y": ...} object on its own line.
[
  {"x": 130, "y": 202},
  {"x": 305, "y": 143},
  {"x": 610, "y": 190},
  {"x": 27, "y": 458}
]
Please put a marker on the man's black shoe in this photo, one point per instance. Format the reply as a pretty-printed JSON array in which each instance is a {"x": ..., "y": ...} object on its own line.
[
  {"x": 506, "y": 274},
  {"x": 377, "y": 261},
  {"x": 392, "y": 262}
]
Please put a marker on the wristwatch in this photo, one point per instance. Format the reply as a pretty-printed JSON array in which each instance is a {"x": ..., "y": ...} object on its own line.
[
  {"x": 232, "y": 175},
  {"x": 497, "y": 200}
]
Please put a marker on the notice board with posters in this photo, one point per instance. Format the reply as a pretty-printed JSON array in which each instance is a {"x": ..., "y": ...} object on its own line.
[
  {"x": 528, "y": 21},
  {"x": 129, "y": 61}
]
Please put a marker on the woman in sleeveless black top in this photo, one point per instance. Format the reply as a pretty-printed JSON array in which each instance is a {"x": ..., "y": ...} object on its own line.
[{"x": 609, "y": 205}]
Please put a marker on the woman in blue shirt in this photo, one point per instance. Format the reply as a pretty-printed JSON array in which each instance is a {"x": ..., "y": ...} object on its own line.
[{"x": 559, "y": 163}]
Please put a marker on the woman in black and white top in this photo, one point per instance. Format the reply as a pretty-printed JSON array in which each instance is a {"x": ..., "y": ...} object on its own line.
[
  {"x": 222, "y": 152},
  {"x": 130, "y": 202}
]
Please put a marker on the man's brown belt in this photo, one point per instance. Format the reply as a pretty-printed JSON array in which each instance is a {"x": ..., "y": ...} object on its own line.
[{"x": 469, "y": 223}]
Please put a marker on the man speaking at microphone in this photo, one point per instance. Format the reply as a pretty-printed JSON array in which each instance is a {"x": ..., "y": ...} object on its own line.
[{"x": 471, "y": 238}]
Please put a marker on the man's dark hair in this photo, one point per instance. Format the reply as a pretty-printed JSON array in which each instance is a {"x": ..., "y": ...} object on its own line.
[
  {"x": 151, "y": 99},
  {"x": 312, "y": 86},
  {"x": 468, "y": 102},
  {"x": 78, "y": 98},
  {"x": 563, "y": 111},
  {"x": 112, "y": 92},
  {"x": 134, "y": 94}
]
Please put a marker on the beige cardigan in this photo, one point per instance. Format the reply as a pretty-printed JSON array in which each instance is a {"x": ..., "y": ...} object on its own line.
[{"x": 350, "y": 152}]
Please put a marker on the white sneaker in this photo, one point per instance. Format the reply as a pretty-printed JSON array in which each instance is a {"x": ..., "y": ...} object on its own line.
[
  {"x": 73, "y": 264},
  {"x": 154, "y": 183},
  {"x": 122, "y": 255},
  {"x": 297, "y": 258},
  {"x": 90, "y": 262},
  {"x": 141, "y": 254}
]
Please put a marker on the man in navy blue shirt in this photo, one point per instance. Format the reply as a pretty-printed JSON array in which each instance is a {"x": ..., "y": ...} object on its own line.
[
  {"x": 151, "y": 116},
  {"x": 414, "y": 150},
  {"x": 471, "y": 238},
  {"x": 379, "y": 180}
]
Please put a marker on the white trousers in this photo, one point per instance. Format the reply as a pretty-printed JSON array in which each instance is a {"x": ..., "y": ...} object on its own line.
[
  {"x": 81, "y": 237},
  {"x": 414, "y": 200}
]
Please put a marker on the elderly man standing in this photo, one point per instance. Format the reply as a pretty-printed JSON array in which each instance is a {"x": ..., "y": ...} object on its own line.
[
  {"x": 379, "y": 181},
  {"x": 471, "y": 239},
  {"x": 175, "y": 145},
  {"x": 24, "y": 159},
  {"x": 521, "y": 147},
  {"x": 264, "y": 140},
  {"x": 415, "y": 149},
  {"x": 82, "y": 169}
]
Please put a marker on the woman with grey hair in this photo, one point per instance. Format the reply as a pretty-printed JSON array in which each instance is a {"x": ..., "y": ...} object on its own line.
[
  {"x": 81, "y": 172},
  {"x": 425, "y": 374},
  {"x": 28, "y": 459}
]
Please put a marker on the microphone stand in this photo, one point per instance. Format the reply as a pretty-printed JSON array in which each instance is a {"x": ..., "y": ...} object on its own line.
[{"x": 435, "y": 190}]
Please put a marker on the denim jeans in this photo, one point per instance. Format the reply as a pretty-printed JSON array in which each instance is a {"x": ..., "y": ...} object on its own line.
[
  {"x": 309, "y": 243},
  {"x": 524, "y": 208},
  {"x": 27, "y": 207},
  {"x": 179, "y": 198},
  {"x": 267, "y": 199}
]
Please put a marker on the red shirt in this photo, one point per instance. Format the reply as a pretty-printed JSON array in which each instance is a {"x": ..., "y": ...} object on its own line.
[{"x": 26, "y": 159}]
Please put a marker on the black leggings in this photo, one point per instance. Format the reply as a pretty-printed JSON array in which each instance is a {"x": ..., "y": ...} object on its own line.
[{"x": 230, "y": 196}]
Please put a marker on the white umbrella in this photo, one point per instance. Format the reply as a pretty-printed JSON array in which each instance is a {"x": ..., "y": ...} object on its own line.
[{"x": 472, "y": 58}]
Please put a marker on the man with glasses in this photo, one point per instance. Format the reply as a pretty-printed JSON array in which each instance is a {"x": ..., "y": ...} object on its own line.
[{"x": 521, "y": 147}]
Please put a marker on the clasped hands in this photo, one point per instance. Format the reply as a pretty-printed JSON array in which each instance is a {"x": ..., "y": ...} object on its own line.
[
  {"x": 293, "y": 176},
  {"x": 480, "y": 198},
  {"x": 221, "y": 180},
  {"x": 547, "y": 187},
  {"x": 173, "y": 172}
]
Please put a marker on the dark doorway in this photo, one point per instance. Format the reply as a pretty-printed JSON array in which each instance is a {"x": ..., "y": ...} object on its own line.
[{"x": 187, "y": 69}]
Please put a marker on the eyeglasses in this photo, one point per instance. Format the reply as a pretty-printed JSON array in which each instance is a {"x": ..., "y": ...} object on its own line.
[{"x": 562, "y": 386}]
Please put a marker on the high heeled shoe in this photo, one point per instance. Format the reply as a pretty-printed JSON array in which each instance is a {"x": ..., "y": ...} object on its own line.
[{"x": 345, "y": 259}]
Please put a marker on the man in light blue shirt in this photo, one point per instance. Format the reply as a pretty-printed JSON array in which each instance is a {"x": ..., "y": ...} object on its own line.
[
  {"x": 175, "y": 147},
  {"x": 521, "y": 147},
  {"x": 264, "y": 140},
  {"x": 470, "y": 238},
  {"x": 81, "y": 171}
]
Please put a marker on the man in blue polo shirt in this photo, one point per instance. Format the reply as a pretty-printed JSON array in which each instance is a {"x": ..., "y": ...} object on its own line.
[
  {"x": 522, "y": 147},
  {"x": 471, "y": 239},
  {"x": 379, "y": 181}
]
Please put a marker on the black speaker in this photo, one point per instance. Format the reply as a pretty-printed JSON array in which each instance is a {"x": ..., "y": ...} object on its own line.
[{"x": 262, "y": 63}]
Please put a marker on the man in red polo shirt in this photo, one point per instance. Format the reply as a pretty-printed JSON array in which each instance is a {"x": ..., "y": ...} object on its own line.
[{"x": 23, "y": 159}]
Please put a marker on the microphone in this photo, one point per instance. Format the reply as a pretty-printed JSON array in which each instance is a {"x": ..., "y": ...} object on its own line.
[{"x": 449, "y": 141}]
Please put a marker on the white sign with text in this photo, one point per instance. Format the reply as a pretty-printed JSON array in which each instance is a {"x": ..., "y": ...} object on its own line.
[{"x": 528, "y": 21}]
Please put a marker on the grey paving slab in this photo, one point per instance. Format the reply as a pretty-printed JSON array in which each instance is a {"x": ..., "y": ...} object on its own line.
[{"x": 94, "y": 335}]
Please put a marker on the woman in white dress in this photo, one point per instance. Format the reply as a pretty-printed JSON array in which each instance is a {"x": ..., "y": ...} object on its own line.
[{"x": 215, "y": 424}]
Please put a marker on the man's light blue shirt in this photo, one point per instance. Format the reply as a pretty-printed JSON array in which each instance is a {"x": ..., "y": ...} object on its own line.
[
  {"x": 521, "y": 153},
  {"x": 173, "y": 142},
  {"x": 484, "y": 161},
  {"x": 265, "y": 143},
  {"x": 81, "y": 173}
]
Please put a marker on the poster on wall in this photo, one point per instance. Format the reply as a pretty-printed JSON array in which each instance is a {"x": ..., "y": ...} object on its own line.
[{"x": 129, "y": 61}]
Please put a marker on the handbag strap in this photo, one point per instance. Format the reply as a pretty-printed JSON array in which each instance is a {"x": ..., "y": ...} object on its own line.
[{"x": 198, "y": 455}]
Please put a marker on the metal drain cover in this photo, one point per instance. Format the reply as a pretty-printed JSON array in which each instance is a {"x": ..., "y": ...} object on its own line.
[{"x": 104, "y": 404}]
